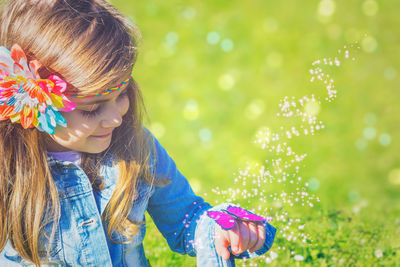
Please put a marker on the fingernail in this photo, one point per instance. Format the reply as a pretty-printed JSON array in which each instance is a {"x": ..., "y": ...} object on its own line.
[{"x": 235, "y": 249}]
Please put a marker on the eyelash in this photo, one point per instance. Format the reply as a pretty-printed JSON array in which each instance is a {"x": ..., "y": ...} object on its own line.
[{"x": 94, "y": 113}]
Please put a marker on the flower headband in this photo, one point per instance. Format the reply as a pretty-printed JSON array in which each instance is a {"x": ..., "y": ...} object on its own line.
[
  {"x": 25, "y": 97},
  {"x": 106, "y": 92}
]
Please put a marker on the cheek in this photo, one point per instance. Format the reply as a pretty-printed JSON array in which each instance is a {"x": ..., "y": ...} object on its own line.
[
  {"x": 124, "y": 106},
  {"x": 77, "y": 125}
]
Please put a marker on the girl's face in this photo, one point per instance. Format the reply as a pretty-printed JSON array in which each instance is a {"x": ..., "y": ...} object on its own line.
[{"x": 90, "y": 126}]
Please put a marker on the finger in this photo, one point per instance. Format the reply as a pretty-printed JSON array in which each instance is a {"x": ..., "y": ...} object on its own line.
[
  {"x": 243, "y": 239},
  {"x": 222, "y": 242},
  {"x": 253, "y": 235},
  {"x": 244, "y": 236},
  {"x": 234, "y": 237},
  {"x": 261, "y": 238}
]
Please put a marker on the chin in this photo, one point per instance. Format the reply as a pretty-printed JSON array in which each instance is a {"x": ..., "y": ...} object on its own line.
[{"x": 97, "y": 149}]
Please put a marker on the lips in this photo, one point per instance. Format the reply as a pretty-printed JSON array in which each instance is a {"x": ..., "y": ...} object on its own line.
[{"x": 102, "y": 136}]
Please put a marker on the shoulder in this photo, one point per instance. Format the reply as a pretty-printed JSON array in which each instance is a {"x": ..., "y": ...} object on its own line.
[{"x": 159, "y": 157}]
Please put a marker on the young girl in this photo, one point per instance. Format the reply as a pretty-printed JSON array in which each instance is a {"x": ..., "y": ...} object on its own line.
[{"x": 78, "y": 169}]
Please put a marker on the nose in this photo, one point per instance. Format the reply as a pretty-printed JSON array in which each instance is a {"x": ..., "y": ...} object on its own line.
[{"x": 112, "y": 118}]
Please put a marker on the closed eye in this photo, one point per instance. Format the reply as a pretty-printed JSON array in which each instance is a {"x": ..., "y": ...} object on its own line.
[
  {"x": 91, "y": 113},
  {"x": 95, "y": 112}
]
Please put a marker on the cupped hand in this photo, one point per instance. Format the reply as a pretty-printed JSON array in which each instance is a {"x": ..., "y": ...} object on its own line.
[{"x": 244, "y": 236}]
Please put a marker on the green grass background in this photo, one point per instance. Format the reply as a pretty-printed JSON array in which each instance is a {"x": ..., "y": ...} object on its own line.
[{"x": 232, "y": 88}]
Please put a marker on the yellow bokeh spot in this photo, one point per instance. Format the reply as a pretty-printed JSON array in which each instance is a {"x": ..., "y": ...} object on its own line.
[
  {"x": 255, "y": 109},
  {"x": 326, "y": 8},
  {"x": 394, "y": 177},
  {"x": 157, "y": 129},
  {"x": 226, "y": 82},
  {"x": 270, "y": 25},
  {"x": 195, "y": 184},
  {"x": 312, "y": 108},
  {"x": 334, "y": 31},
  {"x": 274, "y": 60},
  {"x": 369, "y": 44},
  {"x": 277, "y": 204},
  {"x": 191, "y": 110},
  {"x": 370, "y": 7}
]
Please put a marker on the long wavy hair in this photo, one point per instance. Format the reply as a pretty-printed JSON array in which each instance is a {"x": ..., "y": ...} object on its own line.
[{"x": 93, "y": 47}]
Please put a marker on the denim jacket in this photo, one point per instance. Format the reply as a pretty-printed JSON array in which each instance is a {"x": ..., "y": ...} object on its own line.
[{"x": 81, "y": 238}]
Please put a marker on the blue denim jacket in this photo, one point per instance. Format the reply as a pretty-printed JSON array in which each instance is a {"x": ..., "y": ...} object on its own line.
[{"x": 81, "y": 238}]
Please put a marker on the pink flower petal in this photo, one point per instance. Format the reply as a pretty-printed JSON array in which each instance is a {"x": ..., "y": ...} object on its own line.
[
  {"x": 68, "y": 105},
  {"x": 45, "y": 86},
  {"x": 59, "y": 85}
]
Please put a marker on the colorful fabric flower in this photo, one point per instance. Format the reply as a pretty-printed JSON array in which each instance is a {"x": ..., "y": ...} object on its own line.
[{"x": 25, "y": 97}]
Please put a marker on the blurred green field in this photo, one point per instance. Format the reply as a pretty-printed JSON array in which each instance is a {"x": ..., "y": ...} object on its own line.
[{"x": 212, "y": 74}]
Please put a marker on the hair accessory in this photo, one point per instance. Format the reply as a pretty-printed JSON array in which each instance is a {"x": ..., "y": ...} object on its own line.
[
  {"x": 106, "y": 92},
  {"x": 25, "y": 97}
]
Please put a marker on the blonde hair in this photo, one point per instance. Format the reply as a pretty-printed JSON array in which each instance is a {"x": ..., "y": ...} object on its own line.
[{"x": 93, "y": 47}]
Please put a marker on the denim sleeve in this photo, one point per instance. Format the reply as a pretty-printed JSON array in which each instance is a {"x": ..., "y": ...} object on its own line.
[
  {"x": 174, "y": 208},
  {"x": 181, "y": 218}
]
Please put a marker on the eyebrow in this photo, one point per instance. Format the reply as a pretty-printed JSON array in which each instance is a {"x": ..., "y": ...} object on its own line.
[{"x": 100, "y": 101}]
